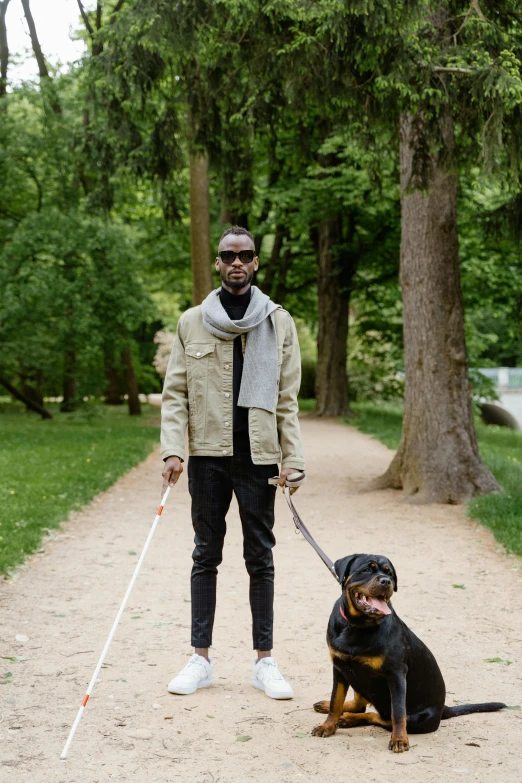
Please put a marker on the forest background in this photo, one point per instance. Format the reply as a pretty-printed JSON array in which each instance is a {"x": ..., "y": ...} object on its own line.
[{"x": 352, "y": 138}]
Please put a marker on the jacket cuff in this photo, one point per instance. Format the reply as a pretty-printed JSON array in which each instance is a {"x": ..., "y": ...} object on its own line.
[
  {"x": 292, "y": 462},
  {"x": 172, "y": 451}
]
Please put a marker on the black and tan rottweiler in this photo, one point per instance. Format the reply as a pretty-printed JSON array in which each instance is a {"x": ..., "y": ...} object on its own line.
[{"x": 387, "y": 666}]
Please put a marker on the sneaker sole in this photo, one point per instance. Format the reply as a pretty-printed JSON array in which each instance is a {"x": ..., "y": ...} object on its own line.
[
  {"x": 187, "y": 691},
  {"x": 271, "y": 694}
]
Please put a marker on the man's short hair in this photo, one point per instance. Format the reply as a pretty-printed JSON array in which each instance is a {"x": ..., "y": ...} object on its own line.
[{"x": 237, "y": 230}]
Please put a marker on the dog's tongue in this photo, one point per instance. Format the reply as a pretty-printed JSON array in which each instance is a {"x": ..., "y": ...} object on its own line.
[{"x": 379, "y": 603}]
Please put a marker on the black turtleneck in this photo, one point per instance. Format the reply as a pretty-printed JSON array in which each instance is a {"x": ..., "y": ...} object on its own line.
[{"x": 235, "y": 306}]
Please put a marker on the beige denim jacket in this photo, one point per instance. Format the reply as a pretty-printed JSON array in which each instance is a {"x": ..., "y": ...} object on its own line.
[{"x": 198, "y": 393}]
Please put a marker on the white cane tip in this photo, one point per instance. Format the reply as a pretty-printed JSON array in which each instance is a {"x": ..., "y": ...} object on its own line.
[{"x": 63, "y": 758}]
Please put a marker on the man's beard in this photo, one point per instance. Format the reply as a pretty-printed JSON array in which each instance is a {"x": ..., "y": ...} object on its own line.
[{"x": 237, "y": 284}]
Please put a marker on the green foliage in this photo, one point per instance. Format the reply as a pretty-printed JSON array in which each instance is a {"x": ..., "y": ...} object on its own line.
[
  {"x": 68, "y": 283},
  {"x": 70, "y": 459},
  {"x": 491, "y": 272},
  {"x": 297, "y": 104}
]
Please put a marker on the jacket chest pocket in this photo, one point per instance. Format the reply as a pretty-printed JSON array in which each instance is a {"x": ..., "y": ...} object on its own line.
[{"x": 199, "y": 357}]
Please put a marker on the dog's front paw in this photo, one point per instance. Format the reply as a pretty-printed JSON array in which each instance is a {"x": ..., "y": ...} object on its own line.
[
  {"x": 326, "y": 729},
  {"x": 399, "y": 744},
  {"x": 322, "y": 706}
]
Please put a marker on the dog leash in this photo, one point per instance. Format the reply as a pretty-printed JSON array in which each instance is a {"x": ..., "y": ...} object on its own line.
[{"x": 296, "y": 480}]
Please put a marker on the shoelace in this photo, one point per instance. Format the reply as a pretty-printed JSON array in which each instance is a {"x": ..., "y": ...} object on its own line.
[
  {"x": 189, "y": 668},
  {"x": 274, "y": 672}
]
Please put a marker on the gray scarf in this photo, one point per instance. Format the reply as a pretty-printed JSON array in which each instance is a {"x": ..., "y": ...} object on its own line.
[{"x": 259, "y": 379}]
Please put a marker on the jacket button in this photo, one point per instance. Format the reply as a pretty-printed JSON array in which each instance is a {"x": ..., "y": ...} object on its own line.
[
  {"x": 227, "y": 366},
  {"x": 227, "y": 394},
  {"x": 227, "y": 424},
  {"x": 198, "y": 353},
  {"x": 224, "y": 452}
]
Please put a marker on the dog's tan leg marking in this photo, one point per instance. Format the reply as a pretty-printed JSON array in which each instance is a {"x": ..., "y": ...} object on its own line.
[
  {"x": 357, "y": 704},
  {"x": 329, "y": 727},
  {"x": 399, "y": 740},
  {"x": 349, "y": 720}
]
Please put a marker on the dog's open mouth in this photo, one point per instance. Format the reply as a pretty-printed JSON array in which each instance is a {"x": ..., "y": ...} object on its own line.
[{"x": 371, "y": 604}]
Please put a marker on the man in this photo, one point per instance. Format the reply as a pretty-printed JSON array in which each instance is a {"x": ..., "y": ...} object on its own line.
[{"x": 233, "y": 379}]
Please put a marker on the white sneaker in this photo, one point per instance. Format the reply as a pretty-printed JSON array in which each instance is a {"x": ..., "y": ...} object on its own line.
[
  {"x": 196, "y": 674},
  {"x": 267, "y": 677}
]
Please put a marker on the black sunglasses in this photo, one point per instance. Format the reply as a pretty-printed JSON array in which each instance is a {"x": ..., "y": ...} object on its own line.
[{"x": 245, "y": 256}]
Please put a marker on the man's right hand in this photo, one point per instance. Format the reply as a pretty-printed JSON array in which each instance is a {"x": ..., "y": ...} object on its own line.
[{"x": 171, "y": 472}]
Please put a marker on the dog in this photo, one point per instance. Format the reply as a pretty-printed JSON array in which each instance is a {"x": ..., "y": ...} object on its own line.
[{"x": 375, "y": 653}]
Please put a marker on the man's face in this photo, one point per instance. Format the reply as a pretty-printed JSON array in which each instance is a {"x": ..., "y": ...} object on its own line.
[{"x": 237, "y": 276}]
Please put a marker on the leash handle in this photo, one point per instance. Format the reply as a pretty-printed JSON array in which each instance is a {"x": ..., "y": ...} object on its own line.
[{"x": 293, "y": 480}]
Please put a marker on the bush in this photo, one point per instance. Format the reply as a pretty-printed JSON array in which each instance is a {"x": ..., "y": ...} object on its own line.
[{"x": 374, "y": 368}]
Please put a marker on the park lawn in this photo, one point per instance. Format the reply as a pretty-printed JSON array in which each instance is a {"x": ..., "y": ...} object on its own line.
[
  {"x": 49, "y": 468},
  {"x": 501, "y": 450}
]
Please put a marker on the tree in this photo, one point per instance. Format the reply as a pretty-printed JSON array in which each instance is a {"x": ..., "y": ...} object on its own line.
[
  {"x": 69, "y": 285},
  {"x": 4, "y": 49},
  {"x": 450, "y": 65},
  {"x": 438, "y": 456},
  {"x": 169, "y": 56}
]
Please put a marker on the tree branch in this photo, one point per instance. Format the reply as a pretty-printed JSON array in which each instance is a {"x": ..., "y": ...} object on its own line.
[
  {"x": 85, "y": 18},
  {"x": 35, "y": 43},
  {"x": 449, "y": 69},
  {"x": 4, "y": 49},
  {"x": 17, "y": 394},
  {"x": 40, "y": 59},
  {"x": 115, "y": 10},
  {"x": 476, "y": 7}
]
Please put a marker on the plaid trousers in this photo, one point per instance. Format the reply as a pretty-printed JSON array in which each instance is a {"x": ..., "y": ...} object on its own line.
[{"x": 212, "y": 480}]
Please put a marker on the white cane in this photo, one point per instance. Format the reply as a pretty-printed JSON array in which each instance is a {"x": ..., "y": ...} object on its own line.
[{"x": 113, "y": 629}]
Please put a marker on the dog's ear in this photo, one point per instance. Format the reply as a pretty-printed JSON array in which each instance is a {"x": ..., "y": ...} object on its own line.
[
  {"x": 343, "y": 567},
  {"x": 394, "y": 572}
]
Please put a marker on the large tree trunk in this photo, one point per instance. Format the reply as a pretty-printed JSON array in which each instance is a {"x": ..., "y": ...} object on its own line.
[
  {"x": 438, "y": 459},
  {"x": 200, "y": 227},
  {"x": 112, "y": 393},
  {"x": 333, "y": 290},
  {"x": 131, "y": 383},
  {"x": 4, "y": 49},
  {"x": 31, "y": 388},
  {"x": 18, "y": 395}
]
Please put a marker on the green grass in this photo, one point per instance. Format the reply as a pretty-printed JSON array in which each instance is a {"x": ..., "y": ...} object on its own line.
[
  {"x": 501, "y": 450},
  {"x": 306, "y": 405},
  {"x": 49, "y": 468},
  {"x": 384, "y": 422}
]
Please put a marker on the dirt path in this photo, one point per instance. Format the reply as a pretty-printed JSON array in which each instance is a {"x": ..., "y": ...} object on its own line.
[{"x": 65, "y": 602}]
